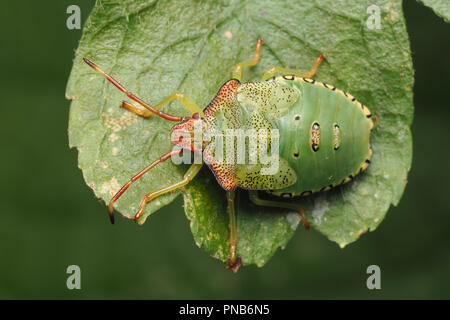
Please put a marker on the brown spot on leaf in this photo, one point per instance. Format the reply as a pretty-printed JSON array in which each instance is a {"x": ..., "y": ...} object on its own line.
[{"x": 111, "y": 186}]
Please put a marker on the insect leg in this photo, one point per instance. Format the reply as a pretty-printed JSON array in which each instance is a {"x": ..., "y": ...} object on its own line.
[
  {"x": 140, "y": 112},
  {"x": 237, "y": 71},
  {"x": 131, "y": 95},
  {"x": 310, "y": 74},
  {"x": 135, "y": 178},
  {"x": 187, "y": 102},
  {"x": 254, "y": 197},
  {"x": 235, "y": 262},
  {"x": 188, "y": 176}
]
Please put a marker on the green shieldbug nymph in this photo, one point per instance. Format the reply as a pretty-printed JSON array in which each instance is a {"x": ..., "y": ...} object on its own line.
[{"x": 320, "y": 133}]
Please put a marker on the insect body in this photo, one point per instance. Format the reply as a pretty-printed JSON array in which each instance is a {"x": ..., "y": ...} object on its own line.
[
  {"x": 324, "y": 137},
  {"x": 320, "y": 135}
]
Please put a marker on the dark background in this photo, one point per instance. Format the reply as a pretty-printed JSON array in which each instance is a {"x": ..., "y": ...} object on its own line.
[{"x": 50, "y": 219}]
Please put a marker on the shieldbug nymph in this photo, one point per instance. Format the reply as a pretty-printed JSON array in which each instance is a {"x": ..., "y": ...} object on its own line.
[{"x": 317, "y": 137}]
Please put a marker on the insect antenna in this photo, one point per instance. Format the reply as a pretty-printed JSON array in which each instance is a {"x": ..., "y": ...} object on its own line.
[
  {"x": 131, "y": 95},
  {"x": 136, "y": 177}
]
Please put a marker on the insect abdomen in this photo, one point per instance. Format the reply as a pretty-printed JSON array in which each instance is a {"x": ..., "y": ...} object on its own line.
[{"x": 324, "y": 137}]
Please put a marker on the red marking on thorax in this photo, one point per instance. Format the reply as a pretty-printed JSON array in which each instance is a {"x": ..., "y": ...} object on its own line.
[{"x": 225, "y": 97}]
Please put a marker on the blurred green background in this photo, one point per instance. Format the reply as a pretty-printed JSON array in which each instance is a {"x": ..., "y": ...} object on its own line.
[{"x": 50, "y": 219}]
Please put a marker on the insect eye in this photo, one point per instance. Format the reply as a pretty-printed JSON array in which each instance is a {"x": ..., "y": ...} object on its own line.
[{"x": 196, "y": 116}]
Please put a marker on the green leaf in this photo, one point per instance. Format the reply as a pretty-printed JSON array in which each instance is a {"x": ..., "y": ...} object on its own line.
[
  {"x": 156, "y": 48},
  {"x": 260, "y": 230},
  {"x": 440, "y": 7}
]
